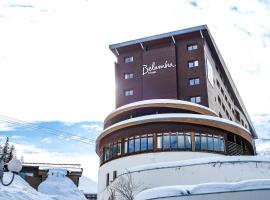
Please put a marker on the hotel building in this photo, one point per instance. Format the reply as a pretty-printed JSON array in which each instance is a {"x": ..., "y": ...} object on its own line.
[{"x": 175, "y": 101}]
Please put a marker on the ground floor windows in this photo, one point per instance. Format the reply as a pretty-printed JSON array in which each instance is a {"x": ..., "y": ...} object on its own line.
[{"x": 167, "y": 141}]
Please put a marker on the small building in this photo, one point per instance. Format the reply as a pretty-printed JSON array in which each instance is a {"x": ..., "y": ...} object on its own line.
[
  {"x": 90, "y": 196},
  {"x": 35, "y": 173}
]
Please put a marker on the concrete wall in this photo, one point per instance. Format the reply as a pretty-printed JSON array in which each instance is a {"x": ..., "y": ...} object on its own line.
[{"x": 188, "y": 175}]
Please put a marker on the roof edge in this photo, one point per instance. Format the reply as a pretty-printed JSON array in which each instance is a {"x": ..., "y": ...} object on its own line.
[{"x": 159, "y": 36}]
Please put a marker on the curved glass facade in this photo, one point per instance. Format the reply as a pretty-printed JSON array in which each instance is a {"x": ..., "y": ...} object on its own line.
[{"x": 159, "y": 142}]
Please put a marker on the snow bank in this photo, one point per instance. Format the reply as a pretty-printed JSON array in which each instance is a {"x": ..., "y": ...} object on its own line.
[
  {"x": 20, "y": 190},
  {"x": 206, "y": 188},
  {"x": 201, "y": 161},
  {"x": 60, "y": 186}
]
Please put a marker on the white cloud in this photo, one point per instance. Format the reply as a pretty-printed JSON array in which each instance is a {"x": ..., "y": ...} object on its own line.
[
  {"x": 96, "y": 127},
  {"x": 47, "y": 140},
  {"x": 6, "y": 126}
]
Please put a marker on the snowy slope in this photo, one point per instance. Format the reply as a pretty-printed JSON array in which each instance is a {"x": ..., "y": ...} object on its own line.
[
  {"x": 20, "y": 190},
  {"x": 87, "y": 185},
  {"x": 57, "y": 184}
]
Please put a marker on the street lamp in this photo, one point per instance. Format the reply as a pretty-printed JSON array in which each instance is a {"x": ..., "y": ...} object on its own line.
[{"x": 14, "y": 166}]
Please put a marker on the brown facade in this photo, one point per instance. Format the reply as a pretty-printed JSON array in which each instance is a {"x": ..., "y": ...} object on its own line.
[
  {"x": 215, "y": 90},
  {"x": 163, "y": 69}
]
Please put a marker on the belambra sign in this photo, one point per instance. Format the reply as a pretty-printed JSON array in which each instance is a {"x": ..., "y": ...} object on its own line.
[{"x": 154, "y": 68}]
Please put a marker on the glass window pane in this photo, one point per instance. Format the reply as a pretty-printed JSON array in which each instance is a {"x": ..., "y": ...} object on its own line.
[
  {"x": 150, "y": 143},
  {"x": 107, "y": 152},
  {"x": 143, "y": 143},
  {"x": 126, "y": 146},
  {"x": 159, "y": 141},
  {"x": 216, "y": 146},
  {"x": 188, "y": 140},
  {"x": 166, "y": 141},
  {"x": 137, "y": 144},
  {"x": 210, "y": 143},
  {"x": 221, "y": 141},
  {"x": 196, "y": 63},
  {"x": 119, "y": 149},
  {"x": 181, "y": 143},
  {"x": 131, "y": 145},
  {"x": 203, "y": 142},
  {"x": 110, "y": 151},
  {"x": 197, "y": 143},
  {"x": 114, "y": 150},
  {"x": 174, "y": 141}
]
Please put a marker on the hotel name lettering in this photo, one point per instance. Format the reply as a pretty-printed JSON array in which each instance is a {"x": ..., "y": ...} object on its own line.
[{"x": 154, "y": 67}]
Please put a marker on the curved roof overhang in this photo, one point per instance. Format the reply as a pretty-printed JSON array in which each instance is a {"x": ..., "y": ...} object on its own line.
[
  {"x": 193, "y": 119},
  {"x": 161, "y": 103}
]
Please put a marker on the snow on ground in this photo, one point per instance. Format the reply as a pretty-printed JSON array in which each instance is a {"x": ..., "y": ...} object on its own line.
[
  {"x": 56, "y": 187},
  {"x": 57, "y": 184},
  {"x": 206, "y": 188},
  {"x": 20, "y": 190},
  {"x": 87, "y": 185}
]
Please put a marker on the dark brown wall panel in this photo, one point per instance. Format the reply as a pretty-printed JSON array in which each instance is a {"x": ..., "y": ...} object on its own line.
[{"x": 159, "y": 73}]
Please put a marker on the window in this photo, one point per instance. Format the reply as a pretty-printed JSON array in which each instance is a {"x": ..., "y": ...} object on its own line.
[
  {"x": 114, "y": 175},
  {"x": 237, "y": 115},
  {"x": 119, "y": 148},
  {"x": 210, "y": 143},
  {"x": 194, "y": 81},
  {"x": 223, "y": 107},
  {"x": 188, "y": 140},
  {"x": 144, "y": 143},
  {"x": 216, "y": 143},
  {"x": 219, "y": 100},
  {"x": 173, "y": 141},
  {"x": 218, "y": 84},
  {"x": 197, "y": 142},
  {"x": 128, "y": 59},
  {"x": 166, "y": 141},
  {"x": 107, "y": 179},
  {"x": 131, "y": 145},
  {"x": 181, "y": 141},
  {"x": 226, "y": 99},
  {"x": 196, "y": 99},
  {"x": 159, "y": 141},
  {"x": 137, "y": 144},
  {"x": 191, "y": 47},
  {"x": 222, "y": 91},
  {"x": 150, "y": 143},
  {"x": 204, "y": 141},
  {"x": 128, "y": 76},
  {"x": 126, "y": 146},
  {"x": 194, "y": 63},
  {"x": 128, "y": 92}
]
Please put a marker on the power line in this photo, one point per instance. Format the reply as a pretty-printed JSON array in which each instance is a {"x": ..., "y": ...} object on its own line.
[{"x": 59, "y": 133}]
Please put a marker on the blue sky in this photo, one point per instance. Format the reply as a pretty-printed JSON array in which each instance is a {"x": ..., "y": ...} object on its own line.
[{"x": 56, "y": 69}]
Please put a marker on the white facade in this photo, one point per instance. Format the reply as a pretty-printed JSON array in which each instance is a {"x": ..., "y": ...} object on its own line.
[{"x": 171, "y": 172}]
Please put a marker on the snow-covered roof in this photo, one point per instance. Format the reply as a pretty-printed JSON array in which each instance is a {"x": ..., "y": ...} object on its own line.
[
  {"x": 201, "y": 161},
  {"x": 205, "y": 188},
  {"x": 158, "y": 117},
  {"x": 47, "y": 166},
  {"x": 161, "y": 101}
]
